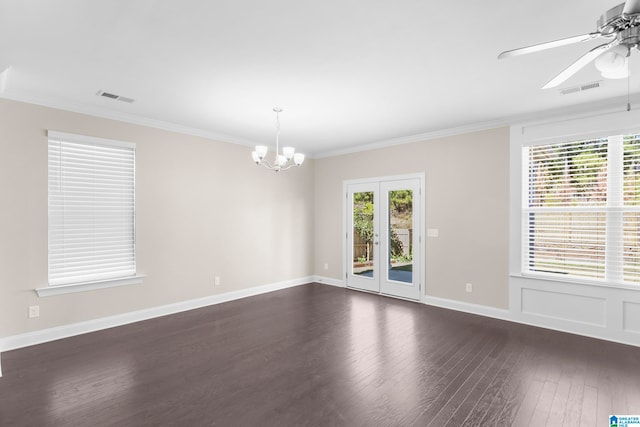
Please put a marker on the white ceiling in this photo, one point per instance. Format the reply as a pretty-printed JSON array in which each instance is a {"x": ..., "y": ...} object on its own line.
[{"x": 347, "y": 72}]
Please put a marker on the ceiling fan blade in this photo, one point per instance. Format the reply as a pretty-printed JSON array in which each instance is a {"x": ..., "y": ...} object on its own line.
[
  {"x": 631, "y": 6},
  {"x": 578, "y": 65},
  {"x": 549, "y": 45}
]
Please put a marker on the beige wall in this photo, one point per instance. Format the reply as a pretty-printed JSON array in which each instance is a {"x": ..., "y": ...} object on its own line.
[
  {"x": 467, "y": 200},
  {"x": 203, "y": 209}
]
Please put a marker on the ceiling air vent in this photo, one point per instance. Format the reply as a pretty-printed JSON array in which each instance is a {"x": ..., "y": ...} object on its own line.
[
  {"x": 569, "y": 90},
  {"x": 590, "y": 86},
  {"x": 116, "y": 97},
  {"x": 575, "y": 89}
]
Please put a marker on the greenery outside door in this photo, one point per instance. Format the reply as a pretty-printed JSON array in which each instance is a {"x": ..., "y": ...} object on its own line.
[{"x": 383, "y": 248}]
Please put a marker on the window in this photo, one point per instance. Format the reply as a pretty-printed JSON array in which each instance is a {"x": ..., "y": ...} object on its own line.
[
  {"x": 91, "y": 209},
  {"x": 581, "y": 209}
]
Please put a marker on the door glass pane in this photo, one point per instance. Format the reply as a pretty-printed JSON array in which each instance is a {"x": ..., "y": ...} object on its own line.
[
  {"x": 363, "y": 237},
  {"x": 400, "y": 234}
]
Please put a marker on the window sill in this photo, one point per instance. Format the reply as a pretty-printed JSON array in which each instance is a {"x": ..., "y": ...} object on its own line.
[
  {"x": 88, "y": 286},
  {"x": 575, "y": 281}
]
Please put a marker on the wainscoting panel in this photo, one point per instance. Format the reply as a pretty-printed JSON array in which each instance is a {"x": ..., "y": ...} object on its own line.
[
  {"x": 631, "y": 313},
  {"x": 610, "y": 313},
  {"x": 568, "y": 307}
]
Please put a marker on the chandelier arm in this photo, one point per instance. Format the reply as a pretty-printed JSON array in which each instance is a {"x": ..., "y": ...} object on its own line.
[
  {"x": 288, "y": 166},
  {"x": 274, "y": 167},
  {"x": 267, "y": 165}
]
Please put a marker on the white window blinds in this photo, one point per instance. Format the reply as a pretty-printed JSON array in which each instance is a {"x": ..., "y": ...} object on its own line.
[
  {"x": 91, "y": 209},
  {"x": 631, "y": 209},
  {"x": 581, "y": 209}
]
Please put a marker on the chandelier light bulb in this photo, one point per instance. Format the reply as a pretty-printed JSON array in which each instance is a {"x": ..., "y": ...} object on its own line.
[
  {"x": 298, "y": 159},
  {"x": 288, "y": 152},
  {"x": 261, "y": 150},
  {"x": 256, "y": 158}
]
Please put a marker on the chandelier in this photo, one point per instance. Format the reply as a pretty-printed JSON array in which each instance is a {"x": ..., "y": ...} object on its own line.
[{"x": 288, "y": 159}]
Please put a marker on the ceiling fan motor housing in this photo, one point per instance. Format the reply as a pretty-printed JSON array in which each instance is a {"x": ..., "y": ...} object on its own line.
[
  {"x": 614, "y": 20},
  {"x": 620, "y": 25},
  {"x": 629, "y": 37}
]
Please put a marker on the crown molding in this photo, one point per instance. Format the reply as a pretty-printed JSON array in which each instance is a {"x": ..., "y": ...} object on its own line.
[
  {"x": 564, "y": 113},
  {"x": 609, "y": 105},
  {"x": 442, "y": 133},
  {"x": 130, "y": 118}
]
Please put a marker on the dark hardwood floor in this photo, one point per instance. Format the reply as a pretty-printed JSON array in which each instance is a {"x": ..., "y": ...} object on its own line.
[{"x": 320, "y": 356}]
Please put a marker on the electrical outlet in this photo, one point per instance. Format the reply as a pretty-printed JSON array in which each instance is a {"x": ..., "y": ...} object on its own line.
[
  {"x": 326, "y": 266},
  {"x": 216, "y": 281},
  {"x": 34, "y": 311},
  {"x": 469, "y": 287}
]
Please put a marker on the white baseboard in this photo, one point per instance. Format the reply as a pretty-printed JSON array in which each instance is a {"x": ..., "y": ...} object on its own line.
[
  {"x": 513, "y": 314},
  {"x": 329, "y": 281},
  {"x": 65, "y": 331},
  {"x": 482, "y": 310}
]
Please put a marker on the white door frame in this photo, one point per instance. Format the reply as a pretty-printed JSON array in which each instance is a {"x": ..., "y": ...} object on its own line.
[
  {"x": 421, "y": 237},
  {"x": 371, "y": 284}
]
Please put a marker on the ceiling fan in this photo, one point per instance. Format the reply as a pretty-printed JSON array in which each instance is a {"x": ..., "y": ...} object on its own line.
[{"x": 620, "y": 24}]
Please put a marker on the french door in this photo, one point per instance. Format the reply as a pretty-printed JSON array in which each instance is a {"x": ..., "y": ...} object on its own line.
[{"x": 383, "y": 236}]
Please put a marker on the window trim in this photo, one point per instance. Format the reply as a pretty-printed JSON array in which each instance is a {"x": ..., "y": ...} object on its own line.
[
  {"x": 89, "y": 286},
  {"x": 612, "y": 264},
  {"x": 574, "y": 280},
  {"x": 101, "y": 283},
  {"x": 558, "y": 129}
]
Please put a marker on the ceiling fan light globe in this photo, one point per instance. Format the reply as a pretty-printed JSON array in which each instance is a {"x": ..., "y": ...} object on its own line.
[
  {"x": 617, "y": 74},
  {"x": 613, "y": 59}
]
